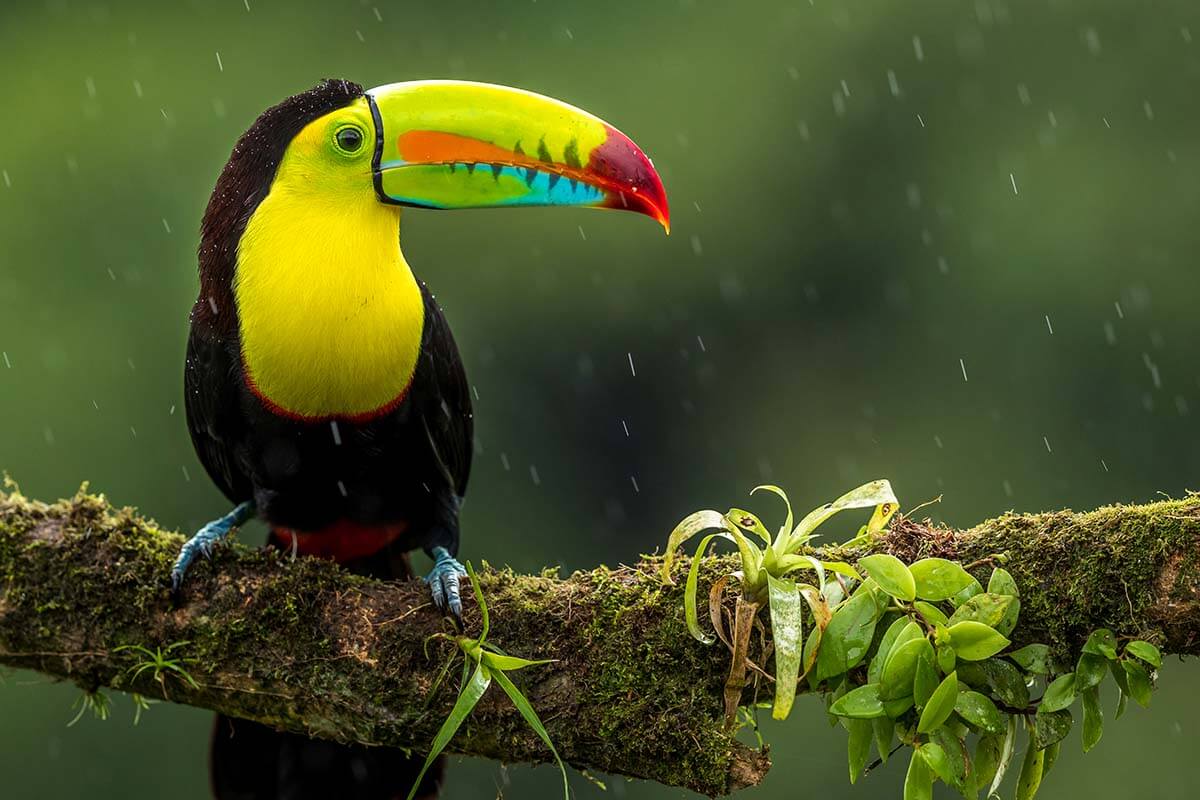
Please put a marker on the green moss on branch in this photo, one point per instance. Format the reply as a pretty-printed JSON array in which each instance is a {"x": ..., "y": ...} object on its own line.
[{"x": 309, "y": 648}]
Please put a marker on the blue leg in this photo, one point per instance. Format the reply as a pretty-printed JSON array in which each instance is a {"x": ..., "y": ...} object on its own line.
[
  {"x": 443, "y": 580},
  {"x": 206, "y": 537}
]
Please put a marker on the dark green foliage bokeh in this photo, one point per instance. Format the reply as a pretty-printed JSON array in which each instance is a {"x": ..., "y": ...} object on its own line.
[{"x": 864, "y": 194}]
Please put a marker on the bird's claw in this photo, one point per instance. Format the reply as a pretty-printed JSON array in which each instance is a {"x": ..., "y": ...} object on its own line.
[
  {"x": 443, "y": 581},
  {"x": 203, "y": 542}
]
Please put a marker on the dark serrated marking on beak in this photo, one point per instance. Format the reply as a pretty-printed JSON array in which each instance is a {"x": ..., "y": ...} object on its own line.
[
  {"x": 544, "y": 152},
  {"x": 571, "y": 154}
]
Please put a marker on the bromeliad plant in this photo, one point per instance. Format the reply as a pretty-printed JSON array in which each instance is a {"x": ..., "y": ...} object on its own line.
[
  {"x": 767, "y": 578},
  {"x": 911, "y": 652},
  {"x": 490, "y": 664}
]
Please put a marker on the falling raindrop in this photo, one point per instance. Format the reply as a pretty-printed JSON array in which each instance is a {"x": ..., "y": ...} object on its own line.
[
  {"x": 504, "y": 462},
  {"x": 1047, "y": 441},
  {"x": 337, "y": 434},
  {"x": 220, "y": 66},
  {"x": 631, "y": 367},
  {"x": 1049, "y": 326},
  {"x": 534, "y": 476},
  {"x": 963, "y": 365},
  {"x": 625, "y": 427},
  {"x": 633, "y": 480},
  {"x": 918, "y": 50},
  {"x": 187, "y": 476}
]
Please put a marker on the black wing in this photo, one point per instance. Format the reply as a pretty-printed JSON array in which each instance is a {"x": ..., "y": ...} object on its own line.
[
  {"x": 445, "y": 398},
  {"x": 212, "y": 403}
]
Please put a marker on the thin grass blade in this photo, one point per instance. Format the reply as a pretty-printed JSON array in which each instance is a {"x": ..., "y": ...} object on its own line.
[
  {"x": 480, "y": 680},
  {"x": 531, "y": 717}
]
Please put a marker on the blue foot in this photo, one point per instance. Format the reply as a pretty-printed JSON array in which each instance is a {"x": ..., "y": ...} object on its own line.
[
  {"x": 205, "y": 538},
  {"x": 443, "y": 581}
]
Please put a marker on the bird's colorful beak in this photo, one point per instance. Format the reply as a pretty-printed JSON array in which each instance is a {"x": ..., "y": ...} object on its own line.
[{"x": 456, "y": 144}]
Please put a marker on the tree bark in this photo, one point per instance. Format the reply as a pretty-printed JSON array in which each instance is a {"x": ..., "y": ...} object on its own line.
[{"x": 307, "y": 647}]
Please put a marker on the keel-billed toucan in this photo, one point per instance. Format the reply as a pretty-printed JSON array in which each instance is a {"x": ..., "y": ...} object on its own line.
[{"x": 324, "y": 392}]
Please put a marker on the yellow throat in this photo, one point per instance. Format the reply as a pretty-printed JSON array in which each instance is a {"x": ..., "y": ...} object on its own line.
[{"x": 330, "y": 314}]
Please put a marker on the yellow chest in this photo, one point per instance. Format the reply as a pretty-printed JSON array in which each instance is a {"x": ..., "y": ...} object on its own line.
[{"x": 330, "y": 315}]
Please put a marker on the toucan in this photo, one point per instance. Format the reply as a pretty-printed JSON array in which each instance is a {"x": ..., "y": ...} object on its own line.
[{"x": 324, "y": 391}]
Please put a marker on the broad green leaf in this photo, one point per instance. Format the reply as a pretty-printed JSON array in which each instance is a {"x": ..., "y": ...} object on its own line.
[
  {"x": 956, "y": 753},
  {"x": 787, "y": 631},
  {"x": 940, "y": 705},
  {"x": 980, "y": 711},
  {"x": 861, "y": 703},
  {"x": 918, "y": 781},
  {"x": 1002, "y": 583},
  {"x": 974, "y": 641},
  {"x": 1005, "y": 682},
  {"x": 812, "y": 648},
  {"x": 946, "y": 657},
  {"x": 884, "y": 730},
  {"x": 1007, "y": 748},
  {"x": 931, "y": 613},
  {"x": 895, "y": 708},
  {"x": 886, "y": 643},
  {"x": 973, "y": 588},
  {"x": 1050, "y": 727},
  {"x": 749, "y": 523},
  {"x": 499, "y": 661},
  {"x": 925, "y": 678},
  {"x": 900, "y": 669},
  {"x": 1031, "y": 773},
  {"x": 859, "y": 746},
  {"x": 1033, "y": 658},
  {"x": 531, "y": 718},
  {"x": 937, "y": 761},
  {"x": 1059, "y": 694},
  {"x": 877, "y": 493},
  {"x": 787, "y": 523},
  {"x": 476, "y": 686},
  {"x": 1122, "y": 704},
  {"x": 842, "y": 568},
  {"x": 1139, "y": 682},
  {"x": 1051, "y": 757},
  {"x": 1093, "y": 718},
  {"x": 891, "y": 575},
  {"x": 1102, "y": 642},
  {"x": 1146, "y": 652},
  {"x": 848, "y": 636},
  {"x": 985, "y": 762},
  {"x": 1090, "y": 670},
  {"x": 1118, "y": 673},
  {"x": 833, "y": 593},
  {"x": 692, "y": 524},
  {"x": 988, "y": 608},
  {"x": 939, "y": 579}
]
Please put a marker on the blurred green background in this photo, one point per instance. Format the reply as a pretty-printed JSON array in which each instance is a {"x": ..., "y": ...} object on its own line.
[{"x": 949, "y": 243}]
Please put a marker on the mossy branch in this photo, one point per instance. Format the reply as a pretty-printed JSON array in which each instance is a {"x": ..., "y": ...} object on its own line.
[{"x": 310, "y": 648}]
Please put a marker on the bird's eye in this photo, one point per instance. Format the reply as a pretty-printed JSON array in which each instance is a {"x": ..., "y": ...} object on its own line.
[{"x": 349, "y": 139}]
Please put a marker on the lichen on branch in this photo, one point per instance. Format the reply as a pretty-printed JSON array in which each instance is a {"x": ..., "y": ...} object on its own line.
[{"x": 307, "y": 647}]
